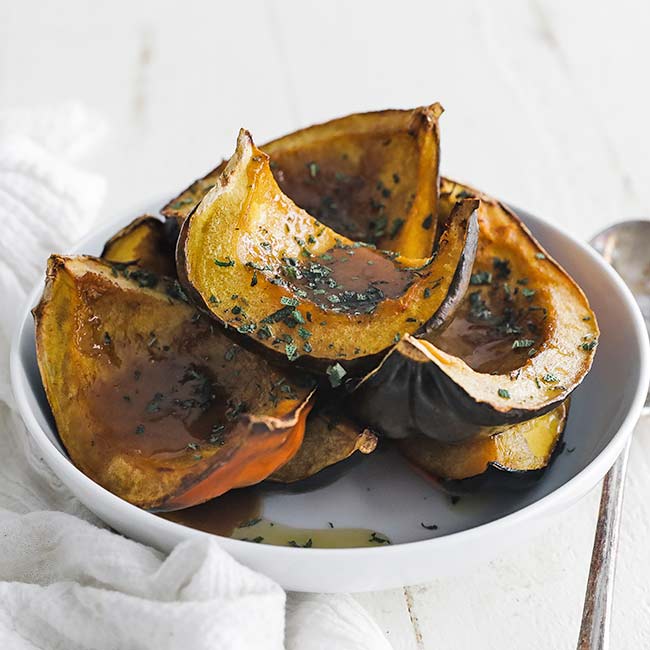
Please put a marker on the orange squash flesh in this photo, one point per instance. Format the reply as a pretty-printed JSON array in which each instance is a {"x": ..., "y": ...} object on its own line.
[
  {"x": 145, "y": 242},
  {"x": 327, "y": 439},
  {"x": 371, "y": 177},
  {"x": 265, "y": 267},
  {"x": 524, "y": 447},
  {"x": 521, "y": 341},
  {"x": 149, "y": 399}
]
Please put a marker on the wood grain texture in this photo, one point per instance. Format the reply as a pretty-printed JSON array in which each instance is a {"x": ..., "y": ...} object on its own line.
[{"x": 546, "y": 106}]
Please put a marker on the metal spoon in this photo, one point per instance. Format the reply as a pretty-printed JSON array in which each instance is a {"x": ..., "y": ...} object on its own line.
[{"x": 626, "y": 246}]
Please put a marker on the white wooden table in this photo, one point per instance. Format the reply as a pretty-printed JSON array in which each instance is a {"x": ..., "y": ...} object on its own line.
[{"x": 547, "y": 106}]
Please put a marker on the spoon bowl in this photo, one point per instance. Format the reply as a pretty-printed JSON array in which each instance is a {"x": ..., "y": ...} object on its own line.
[{"x": 626, "y": 246}]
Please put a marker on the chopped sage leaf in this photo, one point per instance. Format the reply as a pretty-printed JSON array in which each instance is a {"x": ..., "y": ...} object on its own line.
[
  {"x": 522, "y": 343},
  {"x": 335, "y": 374},
  {"x": 250, "y": 522},
  {"x": 482, "y": 277}
]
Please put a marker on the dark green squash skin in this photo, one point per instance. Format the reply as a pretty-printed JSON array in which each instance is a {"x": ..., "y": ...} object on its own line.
[
  {"x": 417, "y": 397},
  {"x": 462, "y": 274},
  {"x": 327, "y": 476}
]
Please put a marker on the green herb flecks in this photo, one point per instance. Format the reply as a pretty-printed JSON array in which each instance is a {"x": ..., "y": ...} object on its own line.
[
  {"x": 478, "y": 308},
  {"x": 174, "y": 290},
  {"x": 501, "y": 267},
  {"x": 308, "y": 544},
  {"x": 144, "y": 278},
  {"x": 224, "y": 263},
  {"x": 216, "y": 435},
  {"x": 395, "y": 227},
  {"x": 291, "y": 351},
  {"x": 250, "y": 522},
  {"x": 154, "y": 405},
  {"x": 504, "y": 393},
  {"x": 481, "y": 277},
  {"x": 264, "y": 332},
  {"x": 313, "y": 169},
  {"x": 335, "y": 374},
  {"x": 522, "y": 343}
]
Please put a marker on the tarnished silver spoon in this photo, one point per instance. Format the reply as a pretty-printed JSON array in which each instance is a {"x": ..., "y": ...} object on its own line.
[{"x": 626, "y": 246}]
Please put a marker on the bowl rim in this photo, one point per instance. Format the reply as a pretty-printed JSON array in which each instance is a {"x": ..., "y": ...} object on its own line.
[{"x": 560, "y": 498}]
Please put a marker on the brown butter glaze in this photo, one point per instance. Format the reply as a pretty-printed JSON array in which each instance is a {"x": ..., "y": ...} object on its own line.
[{"x": 351, "y": 279}]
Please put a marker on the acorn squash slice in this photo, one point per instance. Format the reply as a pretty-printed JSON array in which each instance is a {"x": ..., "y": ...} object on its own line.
[
  {"x": 522, "y": 340},
  {"x": 145, "y": 242},
  {"x": 143, "y": 246},
  {"x": 371, "y": 177},
  {"x": 150, "y": 400},
  {"x": 269, "y": 270},
  {"x": 328, "y": 440},
  {"x": 515, "y": 458}
]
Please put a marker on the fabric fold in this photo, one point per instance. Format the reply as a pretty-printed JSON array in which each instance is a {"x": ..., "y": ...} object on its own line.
[{"x": 66, "y": 581}]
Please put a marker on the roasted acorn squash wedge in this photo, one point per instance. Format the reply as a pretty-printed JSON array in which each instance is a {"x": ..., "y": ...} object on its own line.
[
  {"x": 328, "y": 440},
  {"x": 371, "y": 177},
  {"x": 269, "y": 270},
  {"x": 150, "y": 400},
  {"x": 522, "y": 340},
  {"x": 514, "y": 458},
  {"x": 145, "y": 242}
]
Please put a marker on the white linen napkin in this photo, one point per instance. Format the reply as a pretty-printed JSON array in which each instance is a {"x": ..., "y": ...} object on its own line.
[{"x": 66, "y": 582}]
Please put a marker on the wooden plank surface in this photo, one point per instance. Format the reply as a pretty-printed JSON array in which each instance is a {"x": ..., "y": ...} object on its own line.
[{"x": 547, "y": 106}]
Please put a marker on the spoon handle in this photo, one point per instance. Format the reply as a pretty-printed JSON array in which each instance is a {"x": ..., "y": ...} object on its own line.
[{"x": 594, "y": 630}]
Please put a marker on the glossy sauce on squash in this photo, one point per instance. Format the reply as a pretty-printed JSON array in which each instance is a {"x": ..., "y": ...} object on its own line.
[
  {"x": 499, "y": 322},
  {"x": 162, "y": 397},
  {"x": 160, "y": 407},
  {"x": 350, "y": 279}
]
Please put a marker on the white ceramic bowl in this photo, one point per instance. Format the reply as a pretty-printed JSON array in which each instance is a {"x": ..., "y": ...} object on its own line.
[{"x": 382, "y": 494}]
